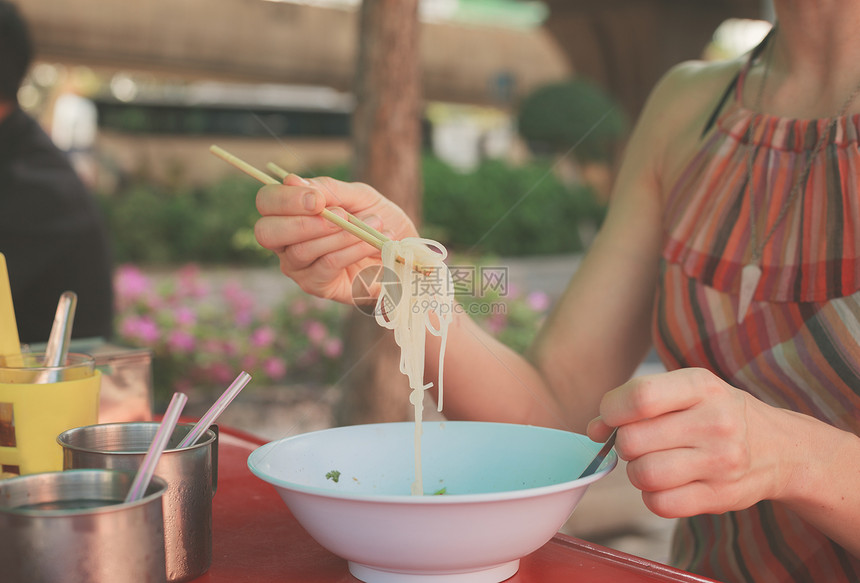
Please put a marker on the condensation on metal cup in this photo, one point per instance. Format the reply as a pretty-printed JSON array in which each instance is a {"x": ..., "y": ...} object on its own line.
[
  {"x": 74, "y": 527},
  {"x": 191, "y": 474}
]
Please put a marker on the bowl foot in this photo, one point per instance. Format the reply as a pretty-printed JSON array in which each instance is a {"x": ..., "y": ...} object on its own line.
[{"x": 492, "y": 574}]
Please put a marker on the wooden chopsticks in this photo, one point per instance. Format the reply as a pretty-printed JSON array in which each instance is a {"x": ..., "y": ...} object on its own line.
[{"x": 354, "y": 225}]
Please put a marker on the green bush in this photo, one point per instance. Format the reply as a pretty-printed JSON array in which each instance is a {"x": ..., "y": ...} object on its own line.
[
  {"x": 501, "y": 209},
  {"x": 572, "y": 114},
  {"x": 505, "y": 210},
  {"x": 497, "y": 209},
  {"x": 155, "y": 225}
]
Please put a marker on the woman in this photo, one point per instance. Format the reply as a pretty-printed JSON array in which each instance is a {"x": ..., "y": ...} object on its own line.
[{"x": 742, "y": 170}]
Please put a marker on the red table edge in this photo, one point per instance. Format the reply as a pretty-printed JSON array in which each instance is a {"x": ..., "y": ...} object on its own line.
[{"x": 620, "y": 557}]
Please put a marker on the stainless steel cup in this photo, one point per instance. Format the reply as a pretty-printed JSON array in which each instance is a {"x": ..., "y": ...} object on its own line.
[
  {"x": 74, "y": 527},
  {"x": 191, "y": 474}
]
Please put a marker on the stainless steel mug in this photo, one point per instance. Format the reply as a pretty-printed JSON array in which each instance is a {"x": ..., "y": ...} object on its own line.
[
  {"x": 74, "y": 527},
  {"x": 191, "y": 474}
]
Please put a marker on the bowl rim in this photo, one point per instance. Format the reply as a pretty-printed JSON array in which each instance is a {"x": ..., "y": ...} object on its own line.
[{"x": 605, "y": 467}]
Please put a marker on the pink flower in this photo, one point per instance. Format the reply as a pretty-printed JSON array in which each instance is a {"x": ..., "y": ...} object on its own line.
[
  {"x": 130, "y": 284},
  {"x": 184, "y": 316},
  {"x": 262, "y": 337},
  {"x": 538, "y": 301},
  {"x": 141, "y": 328},
  {"x": 333, "y": 347},
  {"x": 275, "y": 368},
  {"x": 316, "y": 331},
  {"x": 180, "y": 341}
]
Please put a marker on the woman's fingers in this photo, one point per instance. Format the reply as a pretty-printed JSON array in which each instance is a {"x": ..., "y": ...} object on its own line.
[
  {"x": 274, "y": 200},
  {"x": 356, "y": 197},
  {"x": 650, "y": 396},
  {"x": 319, "y": 255},
  {"x": 332, "y": 264},
  {"x": 332, "y": 275},
  {"x": 671, "y": 468},
  {"x": 598, "y": 430},
  {"x": 702, "y": 497},
  {"x": 698, "y": 426},
  {"x": 693, "y": 443},
  {"x": 277, "y": 232}
]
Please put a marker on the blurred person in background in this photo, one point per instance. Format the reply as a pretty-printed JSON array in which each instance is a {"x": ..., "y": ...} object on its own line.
[
  {"x": 732, "y": 244},
  {"x": 51, "y": 231}
]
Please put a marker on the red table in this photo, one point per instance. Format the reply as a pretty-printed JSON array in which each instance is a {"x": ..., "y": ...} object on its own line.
[{"x": 257, "y": 540}]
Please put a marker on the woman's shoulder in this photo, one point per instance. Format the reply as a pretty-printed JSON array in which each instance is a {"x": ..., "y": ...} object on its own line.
[
  {"x": 691, "y": 87},
  {"x": 679, "y": 109}
]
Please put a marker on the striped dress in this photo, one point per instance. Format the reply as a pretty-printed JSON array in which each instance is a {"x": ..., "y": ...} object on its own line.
[{"x": 799, "y": 346}]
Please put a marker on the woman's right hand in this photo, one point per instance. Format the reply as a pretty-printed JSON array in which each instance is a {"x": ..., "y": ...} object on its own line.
[{"x": 320, "y": 256}]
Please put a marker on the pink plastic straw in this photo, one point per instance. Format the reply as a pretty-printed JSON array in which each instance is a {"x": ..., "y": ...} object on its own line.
[
  {"x": 159, "y": 442},
  {"x": 215, "y": 410}
]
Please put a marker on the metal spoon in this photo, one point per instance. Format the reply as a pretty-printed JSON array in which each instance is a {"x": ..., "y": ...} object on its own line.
[
  {"x": 601, "y": 455},
  {"x": 61, "y": 333}
]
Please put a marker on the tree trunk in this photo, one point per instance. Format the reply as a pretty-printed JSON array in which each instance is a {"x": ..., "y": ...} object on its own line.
[{"x": 386, "y": 149}]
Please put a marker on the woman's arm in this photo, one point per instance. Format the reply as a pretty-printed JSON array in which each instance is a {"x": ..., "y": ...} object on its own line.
[{"x": 598, "y": 332}]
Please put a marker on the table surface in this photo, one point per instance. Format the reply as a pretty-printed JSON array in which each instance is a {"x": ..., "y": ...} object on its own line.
[{"x": 256, "y": 539}]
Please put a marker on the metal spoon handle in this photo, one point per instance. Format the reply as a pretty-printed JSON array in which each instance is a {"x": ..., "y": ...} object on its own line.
[
  {"x": 61, "y": 333},
  {"x": 601, "y": 455}
]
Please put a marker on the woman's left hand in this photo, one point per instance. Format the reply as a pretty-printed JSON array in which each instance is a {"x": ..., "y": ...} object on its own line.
[{"x": 693, "y": 443}]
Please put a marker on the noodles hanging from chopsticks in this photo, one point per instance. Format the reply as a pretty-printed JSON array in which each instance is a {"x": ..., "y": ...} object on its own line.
[{"x": 422, "y": 293}]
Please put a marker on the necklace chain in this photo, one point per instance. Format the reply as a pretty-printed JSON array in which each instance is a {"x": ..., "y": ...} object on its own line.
[{"x": 757, "y": 248}]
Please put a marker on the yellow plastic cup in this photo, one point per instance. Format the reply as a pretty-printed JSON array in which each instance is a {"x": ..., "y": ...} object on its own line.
[{"x": 34, "y": 413}]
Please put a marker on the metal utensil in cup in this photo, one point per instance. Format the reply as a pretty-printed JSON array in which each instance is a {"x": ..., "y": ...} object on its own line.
[
  {"x": 190, "y": 473},
  {"x": 61, "y": 334},
  {"x": 73, "y": 527}
]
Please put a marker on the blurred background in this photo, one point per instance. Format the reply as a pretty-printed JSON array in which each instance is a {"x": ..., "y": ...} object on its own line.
[{"x": 522, "y": 109}]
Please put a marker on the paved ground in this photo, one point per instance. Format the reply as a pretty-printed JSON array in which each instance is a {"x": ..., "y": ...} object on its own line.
[{"x": 611, "y": 512}]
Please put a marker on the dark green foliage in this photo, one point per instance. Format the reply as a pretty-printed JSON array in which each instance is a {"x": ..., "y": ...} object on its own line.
[
  {"x": 572, "y": 114},
  {"x": 155, "y": 225},
  {"x": 498, "y": 209},
  {"x": 505, "y": 210}
]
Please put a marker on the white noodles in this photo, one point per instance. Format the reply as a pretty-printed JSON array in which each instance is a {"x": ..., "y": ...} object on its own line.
[{"x": 423, "y": 297}]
